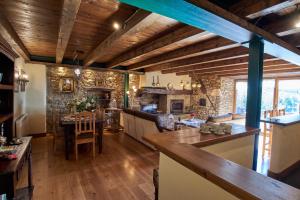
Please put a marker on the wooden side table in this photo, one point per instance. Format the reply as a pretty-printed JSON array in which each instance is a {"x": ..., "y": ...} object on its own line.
[{"x": 10, "y": 172}]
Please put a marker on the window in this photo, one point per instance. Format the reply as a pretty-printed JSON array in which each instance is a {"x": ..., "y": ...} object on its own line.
[
  {"x": 289, "y": 95},
  {"x": 267, "y": 97}
]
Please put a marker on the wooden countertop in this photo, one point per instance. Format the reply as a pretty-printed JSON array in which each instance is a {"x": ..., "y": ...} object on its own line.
[
  {"x": 10, "y": 166},
  {"x": 192, "y": 136},
  {"x": 285, "y": 120},
  {"x": 183, "y": 147}
]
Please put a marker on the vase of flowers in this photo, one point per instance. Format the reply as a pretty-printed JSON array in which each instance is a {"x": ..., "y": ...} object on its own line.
[{"x": 83, "y": 104}]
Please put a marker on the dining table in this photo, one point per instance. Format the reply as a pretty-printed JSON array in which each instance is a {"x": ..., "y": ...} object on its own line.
[{"x": 68, "y": 123}]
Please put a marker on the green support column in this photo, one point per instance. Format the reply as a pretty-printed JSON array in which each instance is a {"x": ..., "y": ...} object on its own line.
[
  {"x": 126, "y": 88},
  {"x": 255, "y": 78}
]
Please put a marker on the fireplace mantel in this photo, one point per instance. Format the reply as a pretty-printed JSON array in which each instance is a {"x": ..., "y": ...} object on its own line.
[{"x": 162, "y": 91}]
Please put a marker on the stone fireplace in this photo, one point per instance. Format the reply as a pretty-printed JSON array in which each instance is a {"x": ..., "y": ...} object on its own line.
[
  {"x": 174, "y": 103},
  {"x": 176, "y": 106},
  {"x": 167, "y": 101}
]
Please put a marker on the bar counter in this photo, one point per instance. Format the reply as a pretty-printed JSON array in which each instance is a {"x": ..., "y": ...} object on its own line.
[
  {"x": 285, "y": 149},
  {"x": 193, "y": 137},
  {"x": 189, "y": 169}
]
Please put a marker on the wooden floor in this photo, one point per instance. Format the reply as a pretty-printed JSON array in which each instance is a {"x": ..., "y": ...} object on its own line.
[{"x": 123, "y": 171}]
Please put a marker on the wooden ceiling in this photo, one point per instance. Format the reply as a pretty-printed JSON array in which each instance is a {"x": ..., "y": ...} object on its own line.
[{"x": 57, "y": 30}]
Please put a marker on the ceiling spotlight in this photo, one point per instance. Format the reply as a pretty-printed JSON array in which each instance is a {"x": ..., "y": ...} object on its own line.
[
  {"x": 297, "y": 25},
  {"x": 116, "y": 26}
]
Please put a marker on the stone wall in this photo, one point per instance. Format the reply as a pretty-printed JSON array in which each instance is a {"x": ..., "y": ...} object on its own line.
[
  {"x": 57, "y": 101},
  {"x": 210, "y": 83},
  {"x": 222, "y": 101},
  {"x": 134, "y": 81},
  {"x": 227, "y": 96}
]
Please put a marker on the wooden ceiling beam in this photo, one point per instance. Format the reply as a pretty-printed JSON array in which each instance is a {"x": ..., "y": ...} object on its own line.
[
  {"x": 96, "y": 68},
  {"x": 11, "y": 37},
  {"x": 256, "y": 6},
  {"x": 276, "y": 71},
  {"x": 200, "y": 48},
  {"x": 237, "y": 52},
  {"x": 247, "y": 9},
  {"x": 183, "y": 33},
  {"x": 293, "y": 39},
  {"x": 267, "y": 64},
  {"x": 68, "y": 15},
  {"x": 251, "y": 9},
  {"x": 226, "y": 63},
  {"x": 285, "y": 25},
  {"x": 139, "y": 19},
  {"x": 210, "y": 17},
  {"x": 245, "y": 70}
]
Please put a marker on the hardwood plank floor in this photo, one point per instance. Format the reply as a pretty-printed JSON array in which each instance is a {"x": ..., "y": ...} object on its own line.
[{"x": 123, "y": 171}]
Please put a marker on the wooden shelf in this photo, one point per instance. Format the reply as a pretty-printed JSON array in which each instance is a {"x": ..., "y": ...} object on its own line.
[
  {"x": 3, "y": 118},
  {"x": 6, "y": 87},
  {"x": 164, "y": 91}
]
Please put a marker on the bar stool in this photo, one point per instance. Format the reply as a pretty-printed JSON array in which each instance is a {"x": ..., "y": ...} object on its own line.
[{"x": 267, "y": 133}]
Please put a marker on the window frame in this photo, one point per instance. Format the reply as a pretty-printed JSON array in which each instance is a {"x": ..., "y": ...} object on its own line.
[{"x": 276, "y": 89}]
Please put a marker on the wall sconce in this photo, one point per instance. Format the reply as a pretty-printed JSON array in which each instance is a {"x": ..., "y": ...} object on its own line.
[
  {"x": 21, "y": 79},
  {"x": 134, "y": 89},
  {"x": 184, "y": 85},
  {"x": 196, "y": 85}
]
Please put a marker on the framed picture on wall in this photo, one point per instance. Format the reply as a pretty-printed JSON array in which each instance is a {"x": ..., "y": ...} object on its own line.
[{"x": 66, "y": 85}]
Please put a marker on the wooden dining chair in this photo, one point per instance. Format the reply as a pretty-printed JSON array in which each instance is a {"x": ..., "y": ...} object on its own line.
[{"x": 85, "y": 131}]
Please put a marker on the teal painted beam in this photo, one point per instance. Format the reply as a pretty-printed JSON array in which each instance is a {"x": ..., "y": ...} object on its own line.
[
  {"x": 207, "y": 16},
  {"x": 254, "y": 93},
  {"x": 126, "y": 88}
]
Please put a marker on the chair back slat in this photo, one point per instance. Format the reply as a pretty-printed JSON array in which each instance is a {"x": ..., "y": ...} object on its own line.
[
  {"x": 274, "y": 113},
  {"x": 281, "y": 112},
  {"x": 85, "y": 123}
]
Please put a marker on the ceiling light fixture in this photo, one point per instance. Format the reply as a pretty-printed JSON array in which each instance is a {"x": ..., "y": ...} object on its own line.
[
  {"x": 116, "y": 26},
  {"x": 77, "y": 72}
]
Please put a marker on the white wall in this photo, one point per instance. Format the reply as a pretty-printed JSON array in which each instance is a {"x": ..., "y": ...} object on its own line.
[
  {"x": 176, "y": 182},
  {"x": 36, "y": 92},
  {"x": 164, "y": 79}
]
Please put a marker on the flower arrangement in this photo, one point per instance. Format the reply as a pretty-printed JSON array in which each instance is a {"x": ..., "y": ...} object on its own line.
[{"x": 83, "y": 104}]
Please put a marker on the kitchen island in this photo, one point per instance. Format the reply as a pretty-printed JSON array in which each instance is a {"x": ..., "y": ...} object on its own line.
[
  {"x": 196, "y": 166},
  {"x": 285, "y": 150}
]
